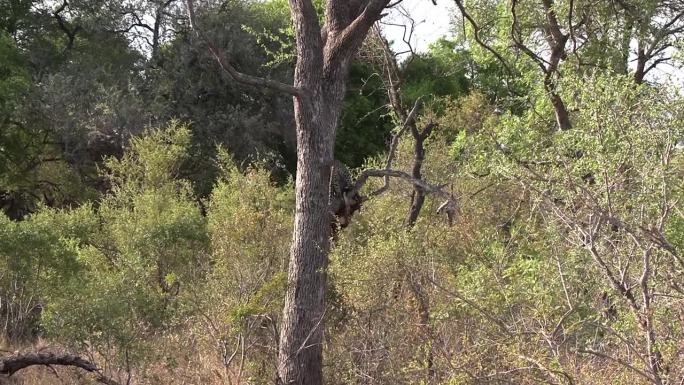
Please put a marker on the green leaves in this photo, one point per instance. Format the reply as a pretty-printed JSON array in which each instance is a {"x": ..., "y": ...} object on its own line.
[{"x": 153, "y": 161}]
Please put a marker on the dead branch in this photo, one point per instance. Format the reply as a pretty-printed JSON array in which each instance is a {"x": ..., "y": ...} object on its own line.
[
  {"x": 13, "y": 364},
  {"x": 619, "y": 361},
  {"x": 393, "y": 81},
  {"x": 410, "y": 120},
  {"x": 448, "y": 207}
]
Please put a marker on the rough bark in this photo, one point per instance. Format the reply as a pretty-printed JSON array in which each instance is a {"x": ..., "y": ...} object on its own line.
[
  {"x": 560, "y": 111},
  {"x": 301, "y": 338}
]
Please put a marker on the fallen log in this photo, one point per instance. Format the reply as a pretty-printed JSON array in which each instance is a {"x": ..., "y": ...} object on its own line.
[{"x": 12, "y": 364}]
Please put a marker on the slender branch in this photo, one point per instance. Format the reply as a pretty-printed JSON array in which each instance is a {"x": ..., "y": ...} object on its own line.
[
  {"x": 478, "y": 39},
  {"x": 515, "y": 35},
  {"x": 553, "y": 374},
  {"x": 394, "y": 75},
  {"x": 620, "y": 361},
  {"x": 655, "y": 63},
  {"x": 484, "y": 312},
  {"x": 230, "y": 70}
]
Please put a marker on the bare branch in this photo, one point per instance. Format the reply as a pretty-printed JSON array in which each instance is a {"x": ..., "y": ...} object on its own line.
[
  {"x": 13, "y": 364},
  {"x": 449, "y": 207},
  {"x": 620, "y": 361},
  {"x": 377, "y": 173},
  {"x": 394, "y": 76}
]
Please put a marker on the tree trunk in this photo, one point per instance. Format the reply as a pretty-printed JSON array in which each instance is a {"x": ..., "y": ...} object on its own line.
[
  {"x": 418, "y": 196},
  {"x": 316, "y": 116},
  {"x": 301, "y": 338},
  {"x": 323, "y": 58},
  {"x": 561, "y": 112},
  {"x": 640, "y": 71}
]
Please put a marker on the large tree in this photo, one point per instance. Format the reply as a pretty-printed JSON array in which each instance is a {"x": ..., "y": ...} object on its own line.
[{"x": 324, "y": 56}]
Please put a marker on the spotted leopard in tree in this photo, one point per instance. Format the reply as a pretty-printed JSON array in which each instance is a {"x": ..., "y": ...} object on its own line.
[{"x": 344, "y": 199}]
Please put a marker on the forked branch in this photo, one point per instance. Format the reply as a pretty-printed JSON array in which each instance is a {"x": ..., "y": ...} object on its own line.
[
  {"x": 408, "y": 122},
  {"x": 448, "y": 207},
  {"x": 355, "y": 32}
]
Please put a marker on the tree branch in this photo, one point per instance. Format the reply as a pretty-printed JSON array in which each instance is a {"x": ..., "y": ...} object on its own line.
[
  {"x": 230, "y": 70},
  {"x": 410, "y": 120},
  {"x": 13, "y": 364},
  {"x": 619, "y": 361},
  {"x": 449, "y": 206},
  {"x": 478, "y": 39},
  {"x": 71, "y": 34},
  {"x": 347, "y": 40},
  {"x": 515, "y": 35}
]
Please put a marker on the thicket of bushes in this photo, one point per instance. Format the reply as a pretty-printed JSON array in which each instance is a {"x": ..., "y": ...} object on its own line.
[{"x": 563, "y": 258}]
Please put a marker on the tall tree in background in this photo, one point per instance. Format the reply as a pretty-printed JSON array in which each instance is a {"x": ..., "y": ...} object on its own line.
[
  {"x": 324, "y": 56},
  {"x": 547, "y": 39}
]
